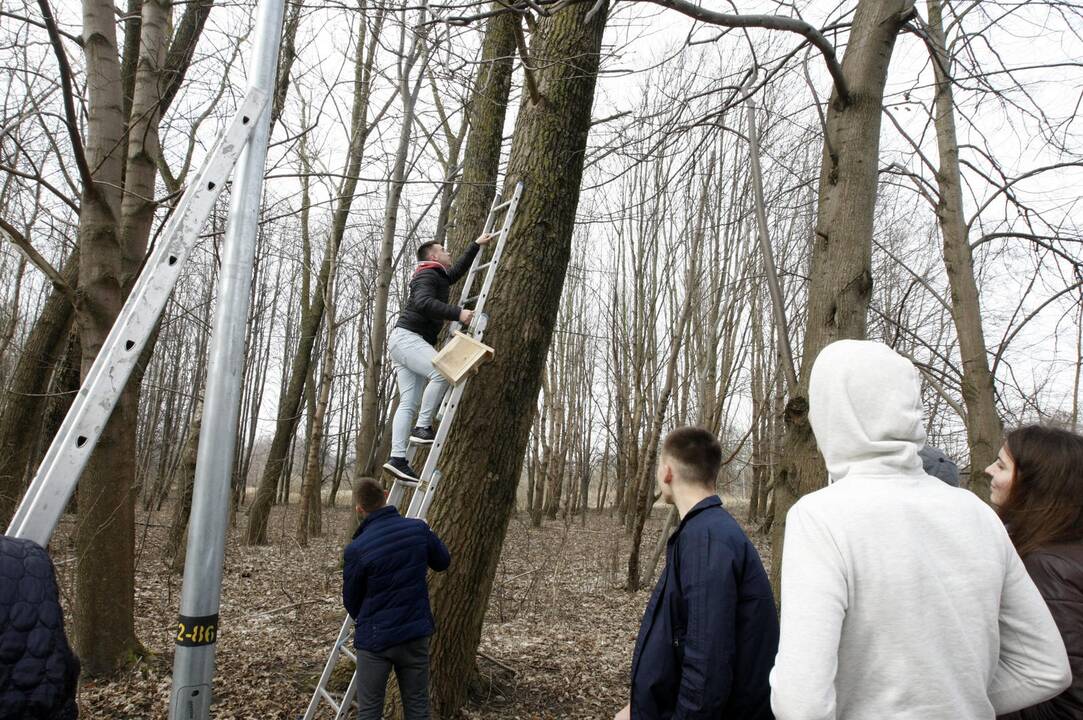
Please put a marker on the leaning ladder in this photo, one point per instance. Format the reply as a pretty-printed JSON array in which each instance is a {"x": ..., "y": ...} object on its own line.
[
  {"x": 59, "y": 471},
  {"x": 425, "y": 487}
]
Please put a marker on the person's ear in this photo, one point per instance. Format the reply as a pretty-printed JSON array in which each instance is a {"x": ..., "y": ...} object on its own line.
[{"x": 667, "y": 473}]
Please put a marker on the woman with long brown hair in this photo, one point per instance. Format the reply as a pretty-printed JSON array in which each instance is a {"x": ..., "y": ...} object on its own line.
[{"x": 1037, "y": 488}]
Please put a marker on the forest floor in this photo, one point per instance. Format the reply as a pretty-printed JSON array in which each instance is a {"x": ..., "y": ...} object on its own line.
[{"x": 557, "y": 642}]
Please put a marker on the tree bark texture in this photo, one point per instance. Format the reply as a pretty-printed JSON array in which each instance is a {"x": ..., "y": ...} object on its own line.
[{"x": 105, "y": 534}]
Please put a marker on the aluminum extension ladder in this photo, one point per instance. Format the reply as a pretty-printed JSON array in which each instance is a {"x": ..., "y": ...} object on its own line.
[
  {"x": 425, "y": 487},
  {"x": 56, "y": 477}
]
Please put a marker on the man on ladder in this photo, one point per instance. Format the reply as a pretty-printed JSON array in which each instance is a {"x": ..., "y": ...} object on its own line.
[
  {"x": 412, "y": 345},
  {"x": 384, "y": 591}
]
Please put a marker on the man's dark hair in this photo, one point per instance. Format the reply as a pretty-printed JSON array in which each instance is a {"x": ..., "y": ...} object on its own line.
[
  {"x": 368, "y": 495},
  {"x": 697, "y": 452},
  {"x": 423, "y": 249}
]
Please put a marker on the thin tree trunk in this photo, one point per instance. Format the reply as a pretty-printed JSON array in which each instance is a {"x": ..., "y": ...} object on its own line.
[
  {"x": 983, "y": 427},
  {"x": 312, "y": 319},
  {"x": 26, "y": 393},
  {"x": 308, "y": 517}
]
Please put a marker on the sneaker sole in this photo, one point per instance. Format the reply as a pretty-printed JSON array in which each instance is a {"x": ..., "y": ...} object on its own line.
[
  {"x": 420, "y": 441},
  {"x": 400, "y": 474}
]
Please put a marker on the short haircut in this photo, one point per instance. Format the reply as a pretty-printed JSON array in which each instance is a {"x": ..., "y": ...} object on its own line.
[
  {"x": 697, "y": 454},
  {"x": 368, "y": 495},
  {"x": 423, "y": 249}
]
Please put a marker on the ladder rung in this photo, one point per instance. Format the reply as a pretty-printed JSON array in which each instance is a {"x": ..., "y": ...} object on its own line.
[
  {"x": 349, "y": 653},
  {"x": 330, "y": 699},
  {"x": 471, "y": 299},
  {"x": 484, "y": 265},
  {"x": 407, "y": 483},
  {"x": 501, "y": 206}
]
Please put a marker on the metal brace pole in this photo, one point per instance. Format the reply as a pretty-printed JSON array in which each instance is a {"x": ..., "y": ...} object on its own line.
[{"x": 197, "y": 627}]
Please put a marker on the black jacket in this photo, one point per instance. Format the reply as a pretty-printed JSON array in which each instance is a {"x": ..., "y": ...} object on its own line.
[
  {"x": 1057, "y": 570},
  {"x": 383, "y": 579},
  {"x": 427, "y": 308},
  {"x": 710, "y": 633},
  {"x": 38, "y": 671}
]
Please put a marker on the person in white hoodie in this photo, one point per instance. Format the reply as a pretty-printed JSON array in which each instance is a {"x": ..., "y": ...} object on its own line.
[{"x": 902, "y": 597}]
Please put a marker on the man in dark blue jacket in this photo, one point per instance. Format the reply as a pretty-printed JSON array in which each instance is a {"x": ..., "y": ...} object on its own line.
[
  {"x": 384, "y": 590},
  {"x": 412, "y": 345},
  {"x": 709, "y": 636}
]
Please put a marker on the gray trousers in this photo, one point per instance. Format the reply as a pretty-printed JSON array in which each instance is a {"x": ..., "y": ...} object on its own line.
[
  {"x": 412, "y": 358},
  {"x": 410, "y": 661}
]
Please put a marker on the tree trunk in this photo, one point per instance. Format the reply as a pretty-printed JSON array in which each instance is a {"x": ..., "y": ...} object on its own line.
[
  {"x": 481, "y": 470},
  {"x": 308, "y": 517},
  {"x": 488, "y": 108},
  {"x": 26, "y": 394},
  {"x": 105, "y": 535},
  {"x": 312, "y": 318},
  {"x": 840, "y": 272},
  {"x": 175, "y": 544},
  {"x": 983, "y": 427}
]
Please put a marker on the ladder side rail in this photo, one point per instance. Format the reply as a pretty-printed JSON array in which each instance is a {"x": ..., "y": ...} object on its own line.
[
  {"x": 498, "y": 252},
  {"x": 468, "y": 284},
  {"x": 329, "y": 667},
  {"x": 349, "y": 700},
  {"x": 64, "y": 461},
  {"x": 436, "y": 450}
]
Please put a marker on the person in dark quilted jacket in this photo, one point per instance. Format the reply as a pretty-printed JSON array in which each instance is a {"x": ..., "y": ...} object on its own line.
[
  {"x": 1037, "y": 489},
  {"x": 385, "y": 592},
  {"x": 38, "y": 670}
]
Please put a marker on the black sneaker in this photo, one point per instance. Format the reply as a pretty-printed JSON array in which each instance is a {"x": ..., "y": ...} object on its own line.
[
  {"x": 422, "y": 436},
  {"x": 398, "y": 467}
]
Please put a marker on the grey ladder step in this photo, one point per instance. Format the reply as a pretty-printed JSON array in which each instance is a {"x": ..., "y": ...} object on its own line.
[{"x": 330, "y": 699}]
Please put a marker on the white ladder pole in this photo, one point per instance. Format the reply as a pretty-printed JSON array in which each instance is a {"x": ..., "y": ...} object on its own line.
[
  {"x": 59, "y": 471},
  {"x": 197, "y": 628}
]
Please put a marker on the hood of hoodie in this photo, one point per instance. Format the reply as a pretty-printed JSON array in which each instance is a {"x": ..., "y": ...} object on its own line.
[{"x": 865, "y": 409}]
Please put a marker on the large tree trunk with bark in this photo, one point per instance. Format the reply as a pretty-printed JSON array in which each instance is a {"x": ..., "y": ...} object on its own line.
[
  {"x": 481, "y": 468},
  {"x": 983, "y": 426},
  {"x": 105, "y": 535},
  {"x": 841, "y": 274}
]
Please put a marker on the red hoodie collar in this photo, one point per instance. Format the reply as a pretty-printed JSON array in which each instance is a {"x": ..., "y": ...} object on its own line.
[{"x": 427, "y": 265}]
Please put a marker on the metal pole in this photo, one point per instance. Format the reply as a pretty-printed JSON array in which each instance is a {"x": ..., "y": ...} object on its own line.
[
  {"x": 197, "y": 627},
  {"x": 769, "y": 256}
]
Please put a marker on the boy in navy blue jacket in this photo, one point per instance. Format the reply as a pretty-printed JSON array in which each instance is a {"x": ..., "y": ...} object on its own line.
[
  {"x": 384, "y": 590},
  {"x": 709, "y": 635}
]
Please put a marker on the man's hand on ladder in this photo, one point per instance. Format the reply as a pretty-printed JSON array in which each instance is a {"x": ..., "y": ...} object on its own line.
[
  {"x": 466, "y": 316},
  {"x": 485, "y": 238}
]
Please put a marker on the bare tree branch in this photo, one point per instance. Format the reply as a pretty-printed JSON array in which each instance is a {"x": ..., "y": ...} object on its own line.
[
  {"x": 20, "y": 241},
  {"x": 69, "y": 104}
]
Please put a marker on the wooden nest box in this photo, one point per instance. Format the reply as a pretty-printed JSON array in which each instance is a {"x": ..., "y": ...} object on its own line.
[{"x": 460, "y": 357}]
